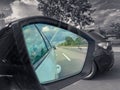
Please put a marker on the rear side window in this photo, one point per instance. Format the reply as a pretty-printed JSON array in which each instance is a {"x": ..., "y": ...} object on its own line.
[{"x": 34, "y": 42}]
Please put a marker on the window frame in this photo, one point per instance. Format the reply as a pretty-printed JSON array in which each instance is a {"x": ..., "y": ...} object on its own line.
[
  {"x": 18, "y": 36},
  {"x": 42, "y": 38}
]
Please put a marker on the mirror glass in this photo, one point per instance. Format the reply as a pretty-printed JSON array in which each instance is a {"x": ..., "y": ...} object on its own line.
[{"x": 55, "y": 53}]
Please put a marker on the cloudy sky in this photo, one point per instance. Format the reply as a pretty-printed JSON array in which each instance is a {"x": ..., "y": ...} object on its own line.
[
  {"x": 107, "y": 11},
  {"x": 15, "y": 9}
]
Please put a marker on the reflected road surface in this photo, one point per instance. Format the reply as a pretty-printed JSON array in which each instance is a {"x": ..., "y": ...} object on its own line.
[{"x": 70, "y": 59}]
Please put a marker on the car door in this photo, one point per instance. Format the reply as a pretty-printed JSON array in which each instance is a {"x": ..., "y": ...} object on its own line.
[{"x": 67, "y": 60}]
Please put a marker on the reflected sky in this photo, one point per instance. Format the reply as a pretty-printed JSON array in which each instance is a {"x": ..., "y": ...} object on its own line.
[{"x": 55, "y": 34}]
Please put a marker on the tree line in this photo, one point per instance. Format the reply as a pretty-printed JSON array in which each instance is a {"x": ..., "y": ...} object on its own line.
[{"x": 69, "y": 41}]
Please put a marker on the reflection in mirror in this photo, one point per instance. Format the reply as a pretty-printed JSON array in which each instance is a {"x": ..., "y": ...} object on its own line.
[{"x": 55, "y": 53}]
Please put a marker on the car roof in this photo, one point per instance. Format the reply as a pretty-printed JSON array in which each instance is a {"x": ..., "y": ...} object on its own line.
[{"x": 96, "y": 35}]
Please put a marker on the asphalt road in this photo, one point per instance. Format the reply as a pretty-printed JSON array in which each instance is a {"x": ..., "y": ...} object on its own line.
[
  {"x": 105, "y": 81},
  {"x": 70, "y": 59}
]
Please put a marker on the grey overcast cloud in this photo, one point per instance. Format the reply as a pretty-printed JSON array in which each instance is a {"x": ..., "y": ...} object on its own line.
[
  {"x": 16, "y": 9},
  {"x": 107, "y": 11}
]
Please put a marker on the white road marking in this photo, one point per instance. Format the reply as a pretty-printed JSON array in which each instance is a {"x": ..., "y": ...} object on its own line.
[
  {"x": 66, "y": 57},
  {"x": 6, "y": 75}
]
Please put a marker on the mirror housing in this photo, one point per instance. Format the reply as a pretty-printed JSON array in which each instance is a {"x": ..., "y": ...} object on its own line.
[{"x": 16, "y": 27}]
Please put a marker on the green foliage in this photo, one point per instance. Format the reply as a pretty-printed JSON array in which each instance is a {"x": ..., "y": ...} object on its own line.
[
  {"x": 78, "y": 41},
  {"x": 76, "y": 12},
  {"x": 70, "y": 42}
]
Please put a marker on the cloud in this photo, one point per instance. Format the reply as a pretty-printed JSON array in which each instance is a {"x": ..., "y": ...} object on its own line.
[
  {"x": 113, "y": 17},
  {"x": 30, "y": 2},
  {"x": 46, "y": 29},
  {"x": 104, "y": 18},
  {"x": 107, "y": 11},
  {"x": 22, "y": 10}
]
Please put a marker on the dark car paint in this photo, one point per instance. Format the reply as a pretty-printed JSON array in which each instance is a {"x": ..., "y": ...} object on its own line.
[
  {"x": 96, "y": 36},
  {"x": 17, "y": 64},
  {"x": 14, "y": 73},
  {"x": 104, "y": 58}
]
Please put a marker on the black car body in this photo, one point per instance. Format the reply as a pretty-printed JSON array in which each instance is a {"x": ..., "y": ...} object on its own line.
[
  {"x": 16, "y": 64},
  {"x": 16, "y": 70},
  {"x": 103, "y": 55}
]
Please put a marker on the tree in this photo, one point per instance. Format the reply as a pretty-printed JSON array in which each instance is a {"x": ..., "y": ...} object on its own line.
[
  {"x": 75, "y": 12},
  {"x": 102, "y": 31},
  {"x": 116, "y": 29},
  {"x": 69, "y": 41},
  {"x": 78, "y": 41},
  {"x": 2, "y": 15}
]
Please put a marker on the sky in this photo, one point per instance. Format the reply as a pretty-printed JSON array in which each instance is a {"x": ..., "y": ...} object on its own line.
[
  {"x": 15, "y": 9},
  {"x": 5, "y": 3},
  {"x": 107, "y": 12}
]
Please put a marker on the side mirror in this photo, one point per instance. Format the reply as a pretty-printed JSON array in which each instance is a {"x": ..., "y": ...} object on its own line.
[
  {"x": 56, "y": 63},
  {"x": 69, "y": 62}
]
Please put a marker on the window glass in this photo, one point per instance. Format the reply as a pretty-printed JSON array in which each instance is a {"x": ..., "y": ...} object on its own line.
[
  {"x": 69, "y": 50},
  {"x": 46, "y": 41},
  {"x": 34, "y": 42}
]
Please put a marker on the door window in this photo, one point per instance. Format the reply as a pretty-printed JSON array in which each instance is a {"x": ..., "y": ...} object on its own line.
[{"x": 34, "y": 42}]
